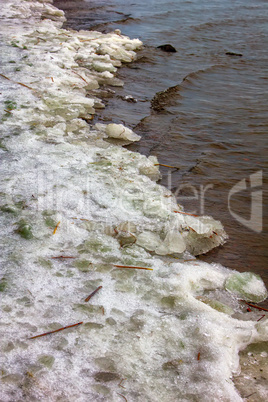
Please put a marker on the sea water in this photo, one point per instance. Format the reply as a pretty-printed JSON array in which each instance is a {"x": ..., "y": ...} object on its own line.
[{"x": 77, "y": 210}]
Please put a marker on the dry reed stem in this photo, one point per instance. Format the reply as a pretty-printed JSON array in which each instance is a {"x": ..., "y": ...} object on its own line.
[
  {"x": 253, "y": 305},
  {"x": 56, "y": 330},
  {"x": 82, "y": 78},
  {"x": 56, "y": 228},
  {"x": 93, "y": 293},
  {"x": 185, "y": 213},
  {"x": 131, "y": 267},
  {"x": 122, "y": 396},
  {"x": 62, "y": 256},
  {"x": 168, "y": 166}
]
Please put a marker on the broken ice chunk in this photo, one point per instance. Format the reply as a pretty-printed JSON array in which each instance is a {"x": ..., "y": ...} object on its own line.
[
  {"x": 247, "y": 286},
  {"x": 149, "y": 167},
  {"x": 149, "y": 240},
  {"x": 173, "y": 243},
  {"x": 121, "y": 132}
]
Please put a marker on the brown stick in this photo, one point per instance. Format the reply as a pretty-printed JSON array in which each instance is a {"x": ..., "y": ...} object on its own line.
[
  {"x": 56, "y": 330},
  {"x": 56, "y": 227},
  {"x": 122, "y": 396},
  {"x": 261, "y": 317},
  {"x": 92, "y": 294},
  {"x": 7, "y": 111},
  {"x": 185, "y": 213},
  {"x": 2, "y": 75},
  {"x": 198, "y": 356},
  {"x": 62, "y": 256},
  {"x": 120, "y": 384},
  {"x": 192, "y": 229},
  {"x": 19, "y": 83},
  {"x": 129, "y": 266},
  {"x": 82, "y": 78},
  {"x": 24, "y": 85},
  {"x": 171, "y": 167},
  {"x": 258, "y": 307}
]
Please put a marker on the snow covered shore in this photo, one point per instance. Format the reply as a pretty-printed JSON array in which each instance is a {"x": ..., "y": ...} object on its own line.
[{"x": 74, "y": 207}]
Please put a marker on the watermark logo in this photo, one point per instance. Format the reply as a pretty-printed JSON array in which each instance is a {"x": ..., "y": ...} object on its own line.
[{"x": 255, "y": 221}]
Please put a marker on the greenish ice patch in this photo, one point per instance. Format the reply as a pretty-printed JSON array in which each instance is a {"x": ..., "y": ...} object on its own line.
[
  {"x": 24, "y": 230},
  {"x": 46, "y": 360},
  {"x": 247, "y": 286}
]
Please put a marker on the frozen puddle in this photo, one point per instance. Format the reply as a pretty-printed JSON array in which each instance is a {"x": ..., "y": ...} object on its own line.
[{"x": 74, "y": 206}]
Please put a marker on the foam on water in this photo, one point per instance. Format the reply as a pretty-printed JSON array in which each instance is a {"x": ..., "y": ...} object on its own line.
[{"x": 75, "y": 204}]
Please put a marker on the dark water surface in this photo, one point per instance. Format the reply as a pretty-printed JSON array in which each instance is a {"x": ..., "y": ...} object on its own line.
[{"x": 212, "y": 122}]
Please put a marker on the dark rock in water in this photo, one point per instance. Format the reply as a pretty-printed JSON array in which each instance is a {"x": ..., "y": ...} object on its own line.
[
  {"x": 234, "y": 54},
  {"x": 167, "y": 48}
]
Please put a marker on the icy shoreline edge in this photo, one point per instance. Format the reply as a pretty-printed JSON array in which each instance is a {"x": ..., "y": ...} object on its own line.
[{"x": 69, "y": 193}]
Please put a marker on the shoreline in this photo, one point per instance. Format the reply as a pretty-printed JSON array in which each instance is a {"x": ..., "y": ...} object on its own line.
[{"x": 50, "y": 129}]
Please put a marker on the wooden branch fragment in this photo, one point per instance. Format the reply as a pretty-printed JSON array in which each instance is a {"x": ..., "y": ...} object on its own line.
[
  {"x": 122, "y": 396},
  {"x": 62, "y": 256},
  {"x": 7, "y": 111},
  {"x": 4, "y": 76},
  {"x": 253, "y": 305},
  {"x": 86, "y": 40},
  {"x": 131, "y": 267},
  {"x": 168, "y": 166},
  {"x": 56, "y": 330},
  {"x": 24, "y": 85},
  {"x": 120, "y": 384},
  {"x": 56, "y": 227},
  {"x": 82, "y": 78},
  {"x": 198, "y": 356},
  {"x": 261, "y": 317},
  {"x": 16, "y": 82},
  {"x": 185, "y": 213},
  {"x": 192, "y": 229},
  {"x": 92, "y": 294}
]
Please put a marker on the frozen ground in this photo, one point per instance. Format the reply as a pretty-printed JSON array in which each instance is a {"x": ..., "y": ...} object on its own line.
[{"x": 75, "y": 204}]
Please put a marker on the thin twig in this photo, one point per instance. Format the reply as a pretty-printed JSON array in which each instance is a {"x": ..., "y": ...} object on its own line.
[
  {"x": 82, "y": 78},
  {"x": 171, "y": 167},
  {"x": 62, "y": 256},
  {"x": 198, "y": 356},
  {"x": 250, "y": 395},
  {"x": 258, "y": 307},
  {"x": 120, "y": 384},
  {"x": 261, "y": 317},
  {"x": 185, "y": 213},
  {"x": 122, "y": 396},
  {"x": 56, "y": 227},
  {"x": 87, "y": 40},
  {"x": 24, "y": 85},
  {"x": 129, "y": 266},
  {"x": 19, "y": 83},
  {"x": 56, "y": 330},
  {"x": 4, "y": 76},
  {"x": 192, "y": 229},
  {"x": 92, "y": 294}
]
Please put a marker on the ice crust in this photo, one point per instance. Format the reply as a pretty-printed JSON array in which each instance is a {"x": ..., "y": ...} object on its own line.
[{"x": 170, "y": 333}]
